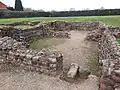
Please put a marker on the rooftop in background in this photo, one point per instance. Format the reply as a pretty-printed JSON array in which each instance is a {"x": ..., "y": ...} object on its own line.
[{"x": 2, "y": 5}]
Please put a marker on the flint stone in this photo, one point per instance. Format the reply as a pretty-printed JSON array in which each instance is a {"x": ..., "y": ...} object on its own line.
[
  {"x": 104, "y": 87},
  {"x": 27, "y": 51},
  {"x": 41, "y": 53},
  {"x": 1, "y": 42},
  {"x": 73, "y": 70},
  {"x": 53, "y": 60},
  {"x": 116, "y": 78},
  {"x": 28, "y": 56},
  {"x": 117, "y": 72},
  {"x": 9, "y": 47},
  {"x": 35, "y": 58},
  {"x": 118, "y": 88},
  {"x": 16, "y": 54},
  {"x": 11, "y": 53},
  {"x": 53, "y": 65},
  {"x": 93, "y": 77},
  {"x": 107, "y": 81},
  {"x": 22, "y": 55},
  {"x": 83, "y": 72}
]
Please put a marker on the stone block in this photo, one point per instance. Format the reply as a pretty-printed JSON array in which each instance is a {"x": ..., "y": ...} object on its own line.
[
  {"x": 116, "y": 78},
  {"x": 73, "y": 70},
  {"x": 83, "y": 72}
]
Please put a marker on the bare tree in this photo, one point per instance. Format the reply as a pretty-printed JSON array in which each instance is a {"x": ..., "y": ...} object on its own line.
[
  {"x": 72, "y": 9},
  {"x": 102, "y": 8},
  {"x": 41, "y": 10}
]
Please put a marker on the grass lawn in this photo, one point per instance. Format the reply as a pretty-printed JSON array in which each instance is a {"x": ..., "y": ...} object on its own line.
[
  {"x": 93, "y": 65},
  {"x": 118, "y": 39},
  {"x": 108, "y": 20},
  {"x": 45, "y": 43}
]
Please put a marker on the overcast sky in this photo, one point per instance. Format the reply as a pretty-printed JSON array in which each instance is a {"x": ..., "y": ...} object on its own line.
[{"x": 59, "y": 5}]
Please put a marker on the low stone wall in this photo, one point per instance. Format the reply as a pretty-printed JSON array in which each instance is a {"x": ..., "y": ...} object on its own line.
[
  {"x": 94, "y": 35},
  {"x": 86, "y": 26},
  {"x": 15, "y": 53},
  {"x": 108, "y": 46},
  {"x": 62, "y": 25},
  {"x": 109, "y": 56},
  {"x": 83, "y": 26},
  {"x": 57, "y": 29},
  {"x": 44, "y": 61},
  {"x": 115, "y": 30},
  {"x": 21, "y": 23},
  {"x": 25, "y": 35}
]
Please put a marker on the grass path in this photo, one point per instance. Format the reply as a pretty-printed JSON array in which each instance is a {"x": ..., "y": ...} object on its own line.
[{"x": 109, "y": 20}]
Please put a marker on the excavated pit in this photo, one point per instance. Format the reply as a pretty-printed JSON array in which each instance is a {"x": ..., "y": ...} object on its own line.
[{"x": 75, "y": 49}]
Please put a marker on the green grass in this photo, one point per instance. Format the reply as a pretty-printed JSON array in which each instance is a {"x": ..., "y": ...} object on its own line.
[
  {"x": 38, "y": 44},
  {"x": 118, "y": 39},
  {"x": 93, "y": 65},
  {"x": 108, "y": 20}
]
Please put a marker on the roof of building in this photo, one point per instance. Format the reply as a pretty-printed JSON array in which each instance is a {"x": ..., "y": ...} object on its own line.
[{"x": 2, "y": 3}]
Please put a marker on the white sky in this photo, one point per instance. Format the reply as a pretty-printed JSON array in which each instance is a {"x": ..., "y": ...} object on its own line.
[{"x": 59, "y": 5}]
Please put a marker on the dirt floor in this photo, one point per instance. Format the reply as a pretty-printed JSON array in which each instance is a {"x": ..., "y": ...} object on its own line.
[
  {"x": 77, "y": 49},
  {"x": 74, "y": 50}
]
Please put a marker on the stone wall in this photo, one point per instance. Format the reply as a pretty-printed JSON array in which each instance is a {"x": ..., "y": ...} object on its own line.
[
  {"x": 44, "y": 61},
  {"x": 57, "y": 29},
  {"x": 30, "y": 59},
  {"x": 15, "y": 53},
  {"x": 109, "y": 57},
  {"x": 83, "y": 26},
  {"x": 22, "y": 23},
  {"x": 114, "y": 28},
  {"x": 94, "y": 35},
  {"x": 25, "y": 35},
  {"x": 45, "y": 29},
  {"x": 62, "y": 25},
  {"x": 87, "y": 26}
]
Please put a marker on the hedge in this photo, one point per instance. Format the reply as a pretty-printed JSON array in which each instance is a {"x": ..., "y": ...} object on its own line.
[{"x": 17, "y": 14}]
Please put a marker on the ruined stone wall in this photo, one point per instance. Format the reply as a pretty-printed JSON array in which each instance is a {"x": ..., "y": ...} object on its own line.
[
  {"x": 44, "y": 61},
  {"x": 109, "y": 56},
  {"x": 48, "y": 62},
  {"x": 40, "y": 30},
  {"x": 87, "y": 26},
  {"x": 113, "y": 28},
  {"x": 46, "y": 29},
  {"x": 67, "y": 26},
  {"x": 62, "y": 25},
  {"x": 22, "y": 23}
]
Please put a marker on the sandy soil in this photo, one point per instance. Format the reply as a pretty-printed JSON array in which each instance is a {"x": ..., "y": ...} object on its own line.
[{"x": 74, "y": 50}]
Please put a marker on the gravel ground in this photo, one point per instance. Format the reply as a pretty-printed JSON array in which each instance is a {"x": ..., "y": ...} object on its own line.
[{"x": 75, "y": 50}]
